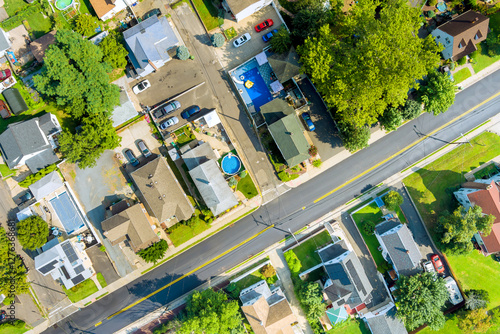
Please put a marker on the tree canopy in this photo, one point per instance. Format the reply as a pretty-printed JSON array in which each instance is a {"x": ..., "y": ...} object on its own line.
[
  {"x": 420, "y": 299},
  {"x": 154, "y": 252},
  {"x": 411, "y": 109},
  {"x": 392, "y": 200},
  {"x": 457, "y": 229},
  {"x": 475, "y": 321},
  {"x": 32, "y": 232},
  {"x": 85, "y": 147},
  {"x": 13, "y": 275},
  {"x": 75, "y": 76},
  {"x": 391, "y": 119},
  {"x": 475, "y": 299},
  {"x": 354, "y": 138},
  {"x": 311, "y": 296},
  {"x": 218, "y": 40},
  {"x": 113, "y": 51},
  {"x": 210, "y": 312},
  {"x": 437, "y": 92},
  {"x": 281, "y": 42},
  {"x": 86, "y": 25},
  {"x": 364, "y": 66}
]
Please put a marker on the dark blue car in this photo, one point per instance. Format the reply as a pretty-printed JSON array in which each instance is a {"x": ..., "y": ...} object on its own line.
[
  {"x": 307, "y": 118},
  {"x": 269, "y": 35},
  {"x": 190, "y": 112},
  {"x": 131, "y": 158}
]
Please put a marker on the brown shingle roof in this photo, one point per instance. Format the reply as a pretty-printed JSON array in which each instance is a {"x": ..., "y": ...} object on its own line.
[
  {"x": 162, "y": 192},
  {"x": 40, "y": 45},
  {"x": 102, "y": 7},
  {"x": 464, "y": 29},
  {"x": 265, "y": 319},
  {"x": 133, "y": 223}
]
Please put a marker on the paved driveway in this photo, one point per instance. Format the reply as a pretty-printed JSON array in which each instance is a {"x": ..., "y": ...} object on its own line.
[
  {"x": 102, "y": 264},
  {"x": 133, "y": 134},
  {"x": 231, "y": 56}
]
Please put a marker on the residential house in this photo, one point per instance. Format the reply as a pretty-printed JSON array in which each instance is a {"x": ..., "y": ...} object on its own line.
[
  {"x": 486, "y": 194},
  {"x": 347, "y": 285},
  {"x": 30, "y": 143},
  {"x": 268, "y": 311},
  {"x": 208, "y": 178},
  {"x": 148, "y": 44},
  {"x": 287, "y": 132},
  {"x": 106, "y": 9},
  {"x": 46, "y": 185},
  {"x": 460, "y": 35},
  {"x": 40, "y": 45},
  {"x": 15, "y": 100},
  {"x": 5, "y": 43},
  {"x": 131, "y": 223},
  {"x": 242, "y": 9},
  {"x": 383, "y": 320},
  {"x": 162, "y": 194},
  {"x": 66, "y": 262},
  {"x": 398, "y": 247}
]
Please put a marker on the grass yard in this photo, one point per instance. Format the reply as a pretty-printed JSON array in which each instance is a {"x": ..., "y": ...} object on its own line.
[
  {"x": 432, "y": 187},
  {"x": 461, "y": 75},
  {"x": 39, "y": 25},
  {"x": 13, "y": 6},
  {"x": 306, "y": 251},
  {"x": 14, "y": 327},
  {"x": 483, "y": 60},
  {"x": 180, "y": 233},
  {"x": 247, "y": 187},
  {"x": 184, "y": 136},
  {"x": 371, "y": 213},
  {"x": 253, "y": 278},
  {"x": 451, "y": 327},
  {"x": 101, "y": 280},
  {"x": 350, "y": 326},
  {"x": 6, "y": 171},
  {"x": 81, "y": 291},
  {"x": 209, "y": 13},
  {"x": 486, "y": 172}
]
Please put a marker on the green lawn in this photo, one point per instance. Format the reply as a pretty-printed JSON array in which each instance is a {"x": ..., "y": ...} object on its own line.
[
  {"x": 180, "y": 233},
  {"x": 81, "y": 291},
  {"x": 253, "y": 278},
  {"x": 101, "y": 280},
  {"x": 306, "y": 251},
  {"x": 486, "y": 172},
  {"x": 451, "y": 327},
  {"x": 350, "y": 326},
  {"x": 483, "y": 60},
  {"x": 461, "y": 75},
  {"x": 209, "y": 13},
  {"x": 6, "y": 171},
  {"x": 374, "y": 214},
  {"x": 432, "y": 187},
  {"x": 247, "y": 187},
  {"x": 184, "y": 136},
  {"x": 39, "y": 25},
  {"x": 15, "y": 327},
  {"x": 13, "y": 6}
]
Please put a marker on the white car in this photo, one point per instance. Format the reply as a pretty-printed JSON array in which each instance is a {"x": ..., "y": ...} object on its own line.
[
  {"x": 168, "y": 123},
  {"x": 141, "y": 87},
  {"x": 428, "y": 267},
  {"x": 241, "y": 40}
]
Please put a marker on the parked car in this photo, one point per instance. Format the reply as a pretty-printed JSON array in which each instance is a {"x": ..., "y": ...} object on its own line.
[
  {"x": 267, "y": 37},
  {"x": 131, "y": 157},
  {"x": 141, "y": 87},
  {"x": 143, "y": 148},
  {"x": 436, "y": 261},
  {"x": 241, "y": 40},
  {"x": 190, "y": 112},
  {"x": 496, "y": 257},
  {"x": 307, "y": 118},
  {"x": 26, "y": 197},
  {"x": 152, "y": 12},
  {"x": 264, "y": 25},
  {"x": 428, "y": 267},
  {"x": 171, "y": 107},
  {"x": 3, "y": 315},
  {"x": 168, "y": 123},
  {"x": 5, "y": 74}
]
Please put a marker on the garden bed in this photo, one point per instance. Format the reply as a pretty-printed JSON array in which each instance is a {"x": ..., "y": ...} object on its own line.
[{"x": 184, "y": 136}]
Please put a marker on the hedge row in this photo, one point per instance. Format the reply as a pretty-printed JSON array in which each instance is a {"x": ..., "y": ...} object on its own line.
[{"x": 35, "y": 177}]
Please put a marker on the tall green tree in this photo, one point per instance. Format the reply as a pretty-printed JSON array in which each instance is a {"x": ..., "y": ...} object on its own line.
[
  {"x": 354, "y": 138},
  {"x": 475, "y": 299},
  {"x": 308, "y": 20},
  {"x": 391, "y": 119},
  {"x": 154, "y": 252},
  {"x": 13, "y": 275},
  {"x": 457, "y": 229},
  {"x": 281, "y": 42},
  {"x": 420, "y": 300},
  {"x": 86, "y": 24},
  {"x": 364, "y": 66},
  {"x": 393, "y": 200},
  {"x": 113, "y": 51},
  {"x": 475, "y": 321},
  {"x": 85, "y": 147},
  {"x": 411, "y": 109},
  {"x": 75, "y": 76},
  {"x": 32, "y": 232},
  {"x": 210, "y": 312},
  {"x": 437, "y": 92},
  {"x": 311, "y": 296}
]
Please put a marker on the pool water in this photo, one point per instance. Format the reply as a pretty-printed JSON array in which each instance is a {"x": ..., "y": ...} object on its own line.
[
  {"x": 63, "y": 4},
  {"x": 230, "y": 164},
  {"x": 259, "y": 93}
]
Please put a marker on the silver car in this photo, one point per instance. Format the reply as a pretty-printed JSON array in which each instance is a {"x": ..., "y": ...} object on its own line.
[
  {"x": 168, "y": 123},
  {"x": 143, "y": 148}
]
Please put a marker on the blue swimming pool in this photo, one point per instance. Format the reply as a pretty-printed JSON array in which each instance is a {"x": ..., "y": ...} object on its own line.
[
  {"x": 67, "y": 212},
  {"x": 259, "y": 93},
  {"x": 231, "y": 164}
]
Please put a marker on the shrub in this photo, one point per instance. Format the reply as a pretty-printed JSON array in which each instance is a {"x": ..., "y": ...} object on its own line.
[
  {"x": 268, "y": 271},
  {"x": 462, "y": 61},
  {"x": 233, "y": 290},
  {"x": 183, "y": 53},
  {"x": 392, "y": 200},
  {"x": 317, "y": 163},
  {"x": 293, "y": 262},
  {"x": 452, "y": 65},
  {"x": 432, "y": 2},
  {"x": 218, "y": 40},
  {"x": 243, "y": 174},
  {"x": 313, "y": 150},
  {"x": 476, "y": 53},
  {"x": 384, "y": 267},
  {"x": 154, "y": 252},
  {"x": 102, "y": 248},
  {"x": 232, "y": 182},
  {"x": 369, "y": 227},
  {"x": 431, "y": 14},
  {"x": 30, "y": 179}
]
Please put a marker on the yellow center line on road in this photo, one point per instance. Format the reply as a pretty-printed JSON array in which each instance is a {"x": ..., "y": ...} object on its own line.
[
  {"x": 406, "y": 148},
  {"x": 186, "y": 275}
]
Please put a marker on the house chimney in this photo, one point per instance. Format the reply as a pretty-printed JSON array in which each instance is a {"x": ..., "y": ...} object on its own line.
[{"x": 475, "y": 20}]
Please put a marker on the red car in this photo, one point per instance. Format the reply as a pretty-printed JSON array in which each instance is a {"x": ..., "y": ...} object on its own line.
[
  {"x": 264, "y": 25},
  {"x": 4, "y": 74},
  {"x": 436, "y": 261}
]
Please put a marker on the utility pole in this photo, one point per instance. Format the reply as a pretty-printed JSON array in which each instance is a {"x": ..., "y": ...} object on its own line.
[
  {"x": 466, "y": 140},
  {"x": 293, "y": 236}
]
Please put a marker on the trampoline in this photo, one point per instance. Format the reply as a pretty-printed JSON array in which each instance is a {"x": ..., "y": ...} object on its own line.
[
  {"x": 380, "y": 202},
  {"x": 67, "y": 212}
]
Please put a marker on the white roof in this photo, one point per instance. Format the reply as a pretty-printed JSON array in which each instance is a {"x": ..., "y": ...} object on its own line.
[
  {"x": 212, "y": 118},
  {"x": 46, "y": 185},
  {"x": 261, "y": 58},
  {"x": 25, "y": 213}
]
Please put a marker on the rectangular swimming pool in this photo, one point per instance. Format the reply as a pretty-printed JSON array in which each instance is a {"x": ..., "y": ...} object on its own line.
[
  {"x": 259, "y": 93},
  {"x": 67, "y": 212}
]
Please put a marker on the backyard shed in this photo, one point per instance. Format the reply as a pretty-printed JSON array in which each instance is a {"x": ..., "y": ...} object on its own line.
[{"x": 15, "y": 100}]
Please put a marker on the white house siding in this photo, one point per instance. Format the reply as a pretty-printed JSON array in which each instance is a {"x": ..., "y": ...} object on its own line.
[
  {"x": 119, "y": 6},
  {"x": 251, "y": 9},
  {"x": 446, "y": 40}
]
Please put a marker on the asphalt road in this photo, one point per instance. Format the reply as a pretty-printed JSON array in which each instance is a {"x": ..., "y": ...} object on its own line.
[{"x": 286, "y": 212}]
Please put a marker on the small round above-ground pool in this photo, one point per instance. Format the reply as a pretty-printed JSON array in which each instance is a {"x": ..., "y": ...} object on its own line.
[
  {"x": 231, "y": 164},
  {"x": 63, "y": 4}
]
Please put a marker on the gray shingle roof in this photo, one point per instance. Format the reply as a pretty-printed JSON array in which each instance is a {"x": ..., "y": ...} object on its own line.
[
  {"x": 4, "y": 43},
  {"x": 213, "y": 188},
  {"x": 46, "y": 185},
  {"x": 386, "y": 323},
  {"x": 198, "y": 155},
  {"x": 162, "y": 192},
  {"x": 400, "y": 245}
]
